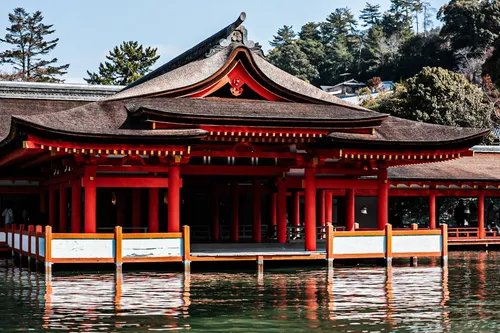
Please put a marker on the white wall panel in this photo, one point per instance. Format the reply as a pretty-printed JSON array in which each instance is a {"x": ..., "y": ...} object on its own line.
[
  {"x": 153, "y": 247},
  {"x": 416, "y": 243},
  {"x": 359, "y": 245},
  {"x": 83, "y": 248}
]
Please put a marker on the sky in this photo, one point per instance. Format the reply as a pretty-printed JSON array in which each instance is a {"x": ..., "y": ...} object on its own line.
[{"x": 89, "y": 29}]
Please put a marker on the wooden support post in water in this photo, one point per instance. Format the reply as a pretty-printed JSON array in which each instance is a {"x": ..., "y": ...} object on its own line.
[
  {"x": 444, "y": 244},
  {"x": 186, "y": 253},
  {"x": 388, "y": 244},
  {"x": 414, "y": 260},
  {"x": 118, "y": 249},
  {"x": 48, "y": 250},
  {"x": 260, "y": 265},
  {"x": 31, "y": 230},
  {"x": 329, "y": 245}
]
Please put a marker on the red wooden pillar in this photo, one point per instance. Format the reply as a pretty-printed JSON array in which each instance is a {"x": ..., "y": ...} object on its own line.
[
  {"x": 215, "y": 216},
  {"x": 310, "y": 209},
  {"x": 273, "y": 219},
  {"x": 235, "y": 227},
  {"x": 296, "y": 209},
  {"x": 76, "y": 206},
  {"x": 90, "y": 200},
  {"x": 63, "y": 209},
  {"x": 329, "y": 207},
  {"x": 383, "y": 199},
  {"x": 257, "y": 220},
  {"x": 136, "y": 209},
  {"x": 174, "y": 198},
  {"x": 281, "y": 226},
  {"x": 52, "y": 208},
  {"x": 153, "y": 210},
  {"x": 350, "y": 207},
  {"x": 432, "y": 210},
  {"x": 480, "y": 216},
  {"x": 121, "y": 203}
]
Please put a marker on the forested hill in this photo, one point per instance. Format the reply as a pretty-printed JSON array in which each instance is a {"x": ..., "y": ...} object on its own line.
[{"x": 394, "y": 45}]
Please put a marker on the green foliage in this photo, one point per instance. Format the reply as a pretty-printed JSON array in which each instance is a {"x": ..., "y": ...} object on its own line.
[
  {"x": 370, "y": 15},
  {"x": 291, "y": 59},
  {"x": 27, "y": 37},
  {"x": 127, "y": 62},
  {"x": 470, "y": 23},
  {"x": 492, "y": 64},
  {"x": 439, "y": 96},
  {"x": 284, "y": 36}
]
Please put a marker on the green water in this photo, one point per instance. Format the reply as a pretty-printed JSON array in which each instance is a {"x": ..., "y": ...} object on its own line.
[{"x": 463, "y": 298}]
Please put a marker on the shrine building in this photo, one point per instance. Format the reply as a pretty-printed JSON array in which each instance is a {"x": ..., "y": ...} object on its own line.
[{"x": 222, "y": 141}]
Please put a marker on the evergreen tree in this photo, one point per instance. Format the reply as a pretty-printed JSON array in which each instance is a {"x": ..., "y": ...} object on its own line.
[
  {"x": 370, "y": 15},
  {"x": 470, "y": 23},
  {"x": 310, "y": 31},
  {"x": 27, "y": 36},
  {"x": 439, "y": 96},
  {"x": 127, "y": 62},
  {"x": 290, "y": 58},
  {"x": 284, "y": 36}
]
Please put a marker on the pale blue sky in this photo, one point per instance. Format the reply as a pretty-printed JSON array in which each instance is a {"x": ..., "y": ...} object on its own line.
[{"x": 89, "y": 29}]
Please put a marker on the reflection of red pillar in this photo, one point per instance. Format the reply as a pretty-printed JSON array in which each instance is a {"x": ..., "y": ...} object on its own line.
[
  {"x": 76, "y": 206},
  {"x": 296, "y": 209},
  {"x": 480, "y": 215},
  {"x": 153, "y": 210},
  {"x": 52, "y": 208},
  {"x": 432, "y": 210},
  {"x": 281, "y": 211},
  {"x": 120, "y": 207},
  {"x": 90, "y": 201},
  {"x": 174, "y": 200},
  {"x": 136, "y": 209},
  {"x": 383, "y": 199},
  {"x": 350, "y": 214},
  {"x": 235, "y": 212},
  {"x": 215, "y": 217},
  {"x": 63, "y": 209},
  {"x": 310, "y": 209},
  {"x": 257, "y": 222},
  {"x": 329, "y": 207}
]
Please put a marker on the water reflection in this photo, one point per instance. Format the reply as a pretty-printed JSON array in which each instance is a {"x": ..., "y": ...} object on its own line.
[{"x": 428, "y": 298}]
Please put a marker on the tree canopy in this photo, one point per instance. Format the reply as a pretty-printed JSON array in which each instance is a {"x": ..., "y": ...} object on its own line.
[
  {"x": 439, "y": 96},
  {"x": 126, "y": 63},
  {"x": 27, "y": 38}
]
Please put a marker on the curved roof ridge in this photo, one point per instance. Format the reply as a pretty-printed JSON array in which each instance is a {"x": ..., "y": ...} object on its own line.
[{"x": 193, "y": 53}]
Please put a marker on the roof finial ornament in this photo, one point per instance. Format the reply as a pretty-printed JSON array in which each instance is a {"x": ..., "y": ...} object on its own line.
[{"x": 237, "y": 35}]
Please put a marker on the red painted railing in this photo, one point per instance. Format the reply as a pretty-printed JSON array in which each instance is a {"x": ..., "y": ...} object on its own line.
[{"x": 468, "y": 233}]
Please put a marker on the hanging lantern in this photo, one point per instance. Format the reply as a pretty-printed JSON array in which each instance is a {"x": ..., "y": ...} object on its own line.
[
  {"x": 364, "y": 210},
  {"x": 165, "y": 198},
  {"x": 467, "y": 210},
  {"x": 113, "y": 198}
]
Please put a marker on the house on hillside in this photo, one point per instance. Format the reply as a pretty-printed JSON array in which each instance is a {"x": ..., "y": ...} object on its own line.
[{"x": 349, "y": 90}]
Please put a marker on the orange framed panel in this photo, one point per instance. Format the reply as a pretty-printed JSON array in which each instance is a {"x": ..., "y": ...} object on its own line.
[
  {"x": 358, "y": 233},
  {"x": 359, "y": 256}
]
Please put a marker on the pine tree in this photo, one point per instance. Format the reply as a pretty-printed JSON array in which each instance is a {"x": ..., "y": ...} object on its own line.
[
  {"x": 291, "y": 59},
  {"x": 310, "y": 31},
  {"x": 284, "y": 36},
  {"x": 27, "y": 36},
  {"x": 370, "y": 15},
  {"x": 127, "y": 62}
]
